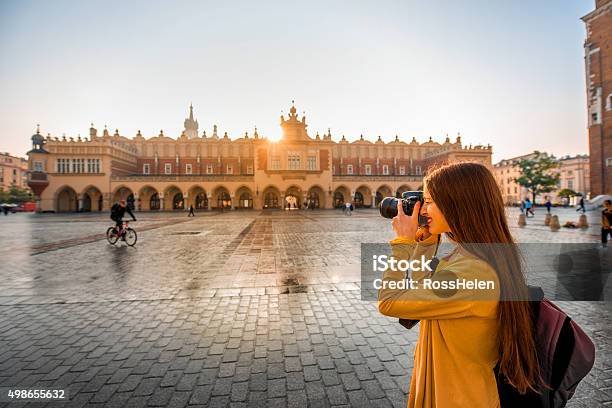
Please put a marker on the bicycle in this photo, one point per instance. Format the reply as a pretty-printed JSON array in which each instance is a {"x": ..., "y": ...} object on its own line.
[{"x": 127, "y": 234}]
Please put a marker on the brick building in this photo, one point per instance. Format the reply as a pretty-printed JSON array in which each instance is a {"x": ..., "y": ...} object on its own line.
[
  {"x": 598, "y": 67},
  {"x": 214, "y": 171}
]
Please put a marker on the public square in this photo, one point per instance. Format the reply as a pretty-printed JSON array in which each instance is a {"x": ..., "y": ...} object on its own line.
[{"x": 236, "y": 308}]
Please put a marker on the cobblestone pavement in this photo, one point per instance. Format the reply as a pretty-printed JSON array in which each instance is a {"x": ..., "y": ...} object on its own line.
[{"x": 224, "y": 309}]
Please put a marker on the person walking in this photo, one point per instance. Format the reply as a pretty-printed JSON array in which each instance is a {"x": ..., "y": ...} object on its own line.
[
  {"x": 465, "y": 336},
  {"x": 606, "y": 223},
  {"x": 347, "y": 208},
  {"x": 581, "y": 205},
  {"x": 548, "y": 204},
  {"x": 528, "y": 208},
  {"x": 191, "y": 212}
]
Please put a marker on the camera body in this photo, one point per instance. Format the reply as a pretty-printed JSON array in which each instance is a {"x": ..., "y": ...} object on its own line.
[{"x": 388, "y": 206}]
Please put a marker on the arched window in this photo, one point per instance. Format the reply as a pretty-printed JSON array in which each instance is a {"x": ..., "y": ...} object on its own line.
[
  {"x": 246, "y": 201},
  {"x": 271, "y": 200},
  {"x": 338, "y": 199},
  {"x": 177, "y": 202},
  {"x": 154, "y": 203},
  {"x": 201, "y": 201},
  {"x": 358, "y": 199},
  {"x": 224, "y": 200}
]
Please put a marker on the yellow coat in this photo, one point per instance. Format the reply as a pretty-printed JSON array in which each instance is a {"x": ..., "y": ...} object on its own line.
[{"x": 457, "y": 347}]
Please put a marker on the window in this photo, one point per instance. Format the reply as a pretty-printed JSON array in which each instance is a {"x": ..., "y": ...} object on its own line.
[
  {"x": 14, "y": 172},
  {"x": 168, "y": 168},
  {"x": 249, "y": 169},
  {"x": 368, "y": 169},
  {"x": 275, "y": 163},
  {"x": 229, "y": 169},
  {"x": 385, "y": 170},
  {"x": 609, "y": 162},
  {"x": 188, "y": 169},
  {"x": 146, "y": 168},
  {"x": 418, "y": 170},
  {"x": 402, "y": 170},
  {"x": 293, "y": 161},
  {"x": 312, "y": 162},
  {"x": 609, "y": 102},
  {"x": 349, "y": 169},
  {"x": 38, "y": 166},
  {"x": 209, "y": 169},
  {"x": 570, "y": 184}
]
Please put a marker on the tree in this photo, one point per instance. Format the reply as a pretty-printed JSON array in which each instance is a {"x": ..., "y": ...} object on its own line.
[
  {"x": 537, "y": 173},
  {"x": 567, "y": 192},
  {"x": 16, "y": 195}
]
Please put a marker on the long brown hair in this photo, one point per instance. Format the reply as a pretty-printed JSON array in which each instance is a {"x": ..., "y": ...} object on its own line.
[{"x": 471, "y": 202}]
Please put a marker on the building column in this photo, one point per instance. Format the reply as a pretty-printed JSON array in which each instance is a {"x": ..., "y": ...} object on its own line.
[
  {"x": 234, "y": 201},
  {"x": 137, "y": 202},
  {"x": 80, "y": 202},
  {"x": 373, "y": 200},
  {"x": 208, "y": 198},
  {"x": 106, "y": 201},
  {"x": 161, "y": 201},
  {"x": 186, "y": 201}
]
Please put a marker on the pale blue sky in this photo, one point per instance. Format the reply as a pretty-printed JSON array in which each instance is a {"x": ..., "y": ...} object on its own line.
[{"x": 509, "y": 73}]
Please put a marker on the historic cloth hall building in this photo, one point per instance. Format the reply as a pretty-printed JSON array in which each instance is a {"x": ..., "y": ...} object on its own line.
[{"x": 216, "y": 172}]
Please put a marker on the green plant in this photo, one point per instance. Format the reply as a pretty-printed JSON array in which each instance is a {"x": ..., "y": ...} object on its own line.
[{"x": 537, "y": 173}]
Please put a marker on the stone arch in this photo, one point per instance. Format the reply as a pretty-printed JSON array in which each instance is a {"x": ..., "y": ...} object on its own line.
[
  {"x": 148, "y": 199},
  {"x": 271, "y": 197},
  {"x": 382, "y": 192},
  {"x": 92, "y": 199},
  {"x": 293, "y": 197},
  {"x": 221, "y": 198},
  {"x": 198, "y": 197},
  {"x": 66, "y": 200},
  {"x": 244, "y": 197},
  {"x": 315, "y": 197},
  {"x": 124, "y": 193},
  {"x": 173, "y": 198},
  {"x": 342, "y": 194},
  {"x": 363, "y": 197}
]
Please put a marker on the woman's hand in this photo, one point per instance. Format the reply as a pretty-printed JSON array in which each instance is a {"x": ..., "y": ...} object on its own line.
[{"x": 406, "y": 226}]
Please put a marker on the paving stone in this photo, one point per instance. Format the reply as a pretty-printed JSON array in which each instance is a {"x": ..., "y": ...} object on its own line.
[{"x": 136, "y": 336}]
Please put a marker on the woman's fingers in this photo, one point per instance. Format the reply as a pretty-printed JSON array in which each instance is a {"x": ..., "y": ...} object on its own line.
[{"x": 415, "y": 213}]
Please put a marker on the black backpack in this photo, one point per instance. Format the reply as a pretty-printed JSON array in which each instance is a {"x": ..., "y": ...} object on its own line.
[
  {"x": 115, "y": 211},
  {"x": 566, "y": 356}
]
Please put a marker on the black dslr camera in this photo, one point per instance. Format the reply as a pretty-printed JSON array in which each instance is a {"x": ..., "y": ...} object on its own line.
[{"x": 388, "y": 206}]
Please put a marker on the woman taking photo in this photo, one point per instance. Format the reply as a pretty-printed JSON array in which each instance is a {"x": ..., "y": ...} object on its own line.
[{"x": 464, "y": 334}]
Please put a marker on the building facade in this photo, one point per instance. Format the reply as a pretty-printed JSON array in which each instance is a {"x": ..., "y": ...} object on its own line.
[
  {"x": 13, "y": 172},
  {"x": 216, "y": 172},
  {"x": 505, "y": 172},
  {"x": 574, "y": 174},
  {"x": 598, "y": 68}
]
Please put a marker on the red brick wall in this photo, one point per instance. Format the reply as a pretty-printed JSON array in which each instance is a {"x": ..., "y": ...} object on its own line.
[
  {"x": 119, "y": 168},
  {"x": 600, "y": 135}
]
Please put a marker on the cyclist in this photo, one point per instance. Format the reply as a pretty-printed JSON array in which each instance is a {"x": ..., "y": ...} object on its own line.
[{"x": 118, "y": 210}]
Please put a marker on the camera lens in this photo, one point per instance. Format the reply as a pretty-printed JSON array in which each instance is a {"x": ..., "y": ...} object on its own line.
[{"x": 388, "y": 207}]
